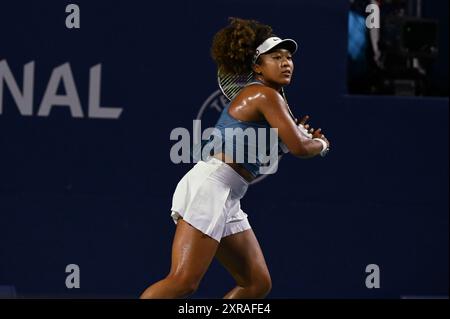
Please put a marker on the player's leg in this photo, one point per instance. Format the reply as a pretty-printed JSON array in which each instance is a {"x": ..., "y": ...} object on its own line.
[
  {"x": 192, "y": 253},
  {"x": 241, "y": 255}
]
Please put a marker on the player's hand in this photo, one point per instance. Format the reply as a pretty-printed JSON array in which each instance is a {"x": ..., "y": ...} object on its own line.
[
  {"x": 319, "y": 134},
  {"x": 308, "y": 127},
  {"x": 302, "y": 121},
  {"x": 301, "y": 126}
]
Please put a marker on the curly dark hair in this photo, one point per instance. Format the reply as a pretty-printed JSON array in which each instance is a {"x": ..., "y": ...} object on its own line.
[{"x": 234, "y": 46}]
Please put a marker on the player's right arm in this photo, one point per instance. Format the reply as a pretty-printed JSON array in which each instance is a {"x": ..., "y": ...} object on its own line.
[{"x": 273, "y": 107}]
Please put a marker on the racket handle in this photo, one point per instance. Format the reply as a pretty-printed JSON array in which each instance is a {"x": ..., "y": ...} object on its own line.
[{"x": 304, "y": 131}]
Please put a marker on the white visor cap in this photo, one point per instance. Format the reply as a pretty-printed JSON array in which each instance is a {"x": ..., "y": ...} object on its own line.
[{"x": 273, "y": 42}]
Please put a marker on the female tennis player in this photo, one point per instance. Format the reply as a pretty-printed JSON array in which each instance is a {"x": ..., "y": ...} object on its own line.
[{"x": 206, "y": 203}]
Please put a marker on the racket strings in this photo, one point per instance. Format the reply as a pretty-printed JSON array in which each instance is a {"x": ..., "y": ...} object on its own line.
[{"x": 232, "y": 84}]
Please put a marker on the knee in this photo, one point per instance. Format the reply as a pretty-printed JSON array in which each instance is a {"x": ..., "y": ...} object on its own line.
[
  {"x": 261, "y": 285},
  {"x": 264, "y": 285},
  {"x": 185, "y": 285}
]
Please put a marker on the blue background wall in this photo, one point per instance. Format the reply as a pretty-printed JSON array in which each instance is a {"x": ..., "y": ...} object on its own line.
[{"x": 97, "y": 192}]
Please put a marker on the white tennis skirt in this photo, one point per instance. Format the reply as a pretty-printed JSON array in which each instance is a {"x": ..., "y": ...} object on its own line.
[{"x": 208, "y": 198}]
